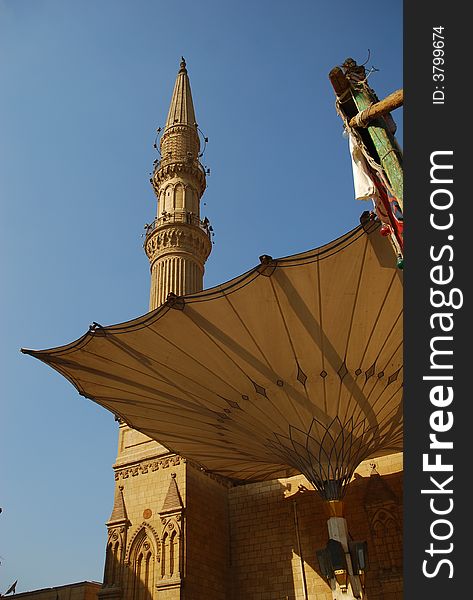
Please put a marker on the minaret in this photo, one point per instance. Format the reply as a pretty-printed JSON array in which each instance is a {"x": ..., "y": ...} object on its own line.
[
  {"x": 178, "y": 241},
  {"x": 169, "y": 525}
]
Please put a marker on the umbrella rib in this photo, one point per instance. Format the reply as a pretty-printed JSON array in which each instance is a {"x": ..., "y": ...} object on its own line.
[
  {"x": 250, "y": 335},
  {"x": 226, "y": 341},
  {"x": 385, "y": 387},
  {"x": 315, "y": 331},
  {"x": 388, "y": 401},
  {"x": 132, "y": 353},
  {"x": 307, "y": 405},
  {"x": 347, "y": 343},
  {"x": 387, "y": 337},
  {"x": 322, "y": 339},
  {"x": 237, "y": 427},
  {"x": 173, "y": 369},
  {"x": 248, "y": 332},
  {"x": 184, "y": 439},
  {"x": 368, "y": 341},
  {"x": 159, "y": 377},
  {"x": 180, "y": 400},
  {"x": 206, "y": 334}
]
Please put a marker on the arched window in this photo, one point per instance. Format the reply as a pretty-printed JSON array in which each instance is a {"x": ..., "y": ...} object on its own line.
[
  {"x": 142, "y": 567},
  {"x": 165, "y": 556},
  {"x": 387, "y": 540},
  {"x": 170, "y": 551},
  {"x": 113, "y": 559},
  {"x": 161, "y": 203},
  {"x": 169, "y": 199},
  {"x": 192, "y": 203},
  {"x": 173, "y": 554},
  {"x": 179, "y": 196}
]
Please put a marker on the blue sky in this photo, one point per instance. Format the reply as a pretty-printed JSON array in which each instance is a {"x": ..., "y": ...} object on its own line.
[{"x": 85, "y": 84}]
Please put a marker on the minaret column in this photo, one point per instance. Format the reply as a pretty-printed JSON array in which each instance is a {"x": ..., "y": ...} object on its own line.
[{"x": 178, "y": 241}]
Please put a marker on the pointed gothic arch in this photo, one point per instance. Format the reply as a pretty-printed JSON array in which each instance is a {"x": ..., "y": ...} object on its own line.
[
  {"x": 179, "y": 196},
  {"x": 171, "y": 548},
  {"x": 113, "y": 558},
  {"x": 142, "y": 559},
  {"x": 168, "y": 205},
  {"x": 387, "y": 537}
]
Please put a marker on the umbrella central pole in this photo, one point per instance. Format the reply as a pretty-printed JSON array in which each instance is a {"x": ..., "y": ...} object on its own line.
[{"x": 345, "y": 584}]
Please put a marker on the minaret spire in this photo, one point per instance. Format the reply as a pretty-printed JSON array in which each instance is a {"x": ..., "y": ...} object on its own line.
[
  {"x": 178, "y": 241},
  {"x": 181, "y": 109}
]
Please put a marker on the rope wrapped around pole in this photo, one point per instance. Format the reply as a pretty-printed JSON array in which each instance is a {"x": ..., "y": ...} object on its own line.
[{"x": 391, "y": 102}]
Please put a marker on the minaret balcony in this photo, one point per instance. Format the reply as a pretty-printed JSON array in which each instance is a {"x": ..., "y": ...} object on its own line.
[{"x": 178, "y": 216}]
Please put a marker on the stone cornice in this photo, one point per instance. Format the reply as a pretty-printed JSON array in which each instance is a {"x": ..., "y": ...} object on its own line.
[
  {"x": 176, "y": 238},
  {"x": 146, "y": 466},
  {"x": 168, "y": 169}
]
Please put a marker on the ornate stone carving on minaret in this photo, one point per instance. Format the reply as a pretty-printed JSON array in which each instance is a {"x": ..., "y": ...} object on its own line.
[{"x": 178, "y": 241}]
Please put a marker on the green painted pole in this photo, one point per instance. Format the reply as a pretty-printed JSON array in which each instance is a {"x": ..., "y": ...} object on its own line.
[{"x": 390, "y": 155}]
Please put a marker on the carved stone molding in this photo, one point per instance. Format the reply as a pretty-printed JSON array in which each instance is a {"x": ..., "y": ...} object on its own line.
[
  {"x": 171, "y": 523},
  {"x": 169, "y": 239},
  {"x": 145, "y": 467},
  {"x": 168, "y": 168},
  {"x": 116, "y": 533}
]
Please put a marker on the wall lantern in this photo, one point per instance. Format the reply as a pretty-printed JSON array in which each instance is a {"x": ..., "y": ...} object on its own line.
[
  {"x": 359, "y": 559},
  {"x": 333, "y": 563}
]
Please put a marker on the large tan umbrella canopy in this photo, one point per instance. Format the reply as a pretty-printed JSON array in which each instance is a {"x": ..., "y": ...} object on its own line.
[{"x": 294, "y": 366}]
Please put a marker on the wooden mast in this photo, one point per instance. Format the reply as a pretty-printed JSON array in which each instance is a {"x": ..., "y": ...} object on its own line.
[{"x": 361, "y": 108}]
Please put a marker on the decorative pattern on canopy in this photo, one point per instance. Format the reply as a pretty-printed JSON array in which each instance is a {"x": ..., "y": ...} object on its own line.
[{"x": 294, "y": 366}]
